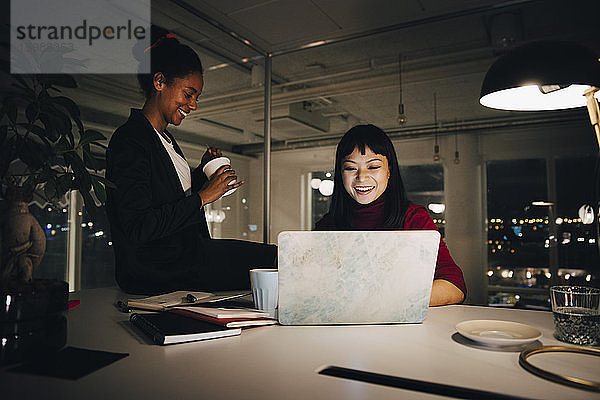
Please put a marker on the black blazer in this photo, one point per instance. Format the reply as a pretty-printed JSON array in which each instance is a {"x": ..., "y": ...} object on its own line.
[{"x": 156, "y": 229}]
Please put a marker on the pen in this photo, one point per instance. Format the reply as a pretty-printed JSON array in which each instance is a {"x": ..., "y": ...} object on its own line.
[{"x": 191, "y": 298}]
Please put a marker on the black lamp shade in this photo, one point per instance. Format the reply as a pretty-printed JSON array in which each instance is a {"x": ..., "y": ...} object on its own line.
[{"x": 552, "y": 65}]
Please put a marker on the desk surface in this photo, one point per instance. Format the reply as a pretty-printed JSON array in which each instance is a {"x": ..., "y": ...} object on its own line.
[{"x": 279, "y": 362}]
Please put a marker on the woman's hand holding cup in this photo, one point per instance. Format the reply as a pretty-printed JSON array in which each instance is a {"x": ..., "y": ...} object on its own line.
[
  {"x": 210, "y": 154},
  {"x": 221, "y": 182}
]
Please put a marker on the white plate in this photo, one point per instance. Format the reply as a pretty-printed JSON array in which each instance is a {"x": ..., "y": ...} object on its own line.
[{"x": 498, "y": 333}]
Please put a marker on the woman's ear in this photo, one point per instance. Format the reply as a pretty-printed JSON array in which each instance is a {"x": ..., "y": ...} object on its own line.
[{"x": 159, "y": 81}]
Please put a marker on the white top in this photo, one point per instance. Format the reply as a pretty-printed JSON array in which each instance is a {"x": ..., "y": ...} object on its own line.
[
  {"x": 279, "y": 362},
  {"x": 181, "y": 165}
]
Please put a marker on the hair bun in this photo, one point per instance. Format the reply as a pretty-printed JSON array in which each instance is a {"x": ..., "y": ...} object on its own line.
[
  {"x": 158, "y": 36},
  {"x": 158, "y": 33}
]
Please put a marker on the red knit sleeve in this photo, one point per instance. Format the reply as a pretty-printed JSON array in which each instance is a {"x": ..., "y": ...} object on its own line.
[{"x": 417, "y": 218}]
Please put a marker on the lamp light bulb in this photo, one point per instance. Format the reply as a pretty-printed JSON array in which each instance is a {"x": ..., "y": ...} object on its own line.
[{"x": 401, "y": 115}]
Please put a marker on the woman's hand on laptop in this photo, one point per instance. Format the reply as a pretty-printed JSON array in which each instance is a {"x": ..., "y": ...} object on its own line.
[{"x": 444, "y": 292}]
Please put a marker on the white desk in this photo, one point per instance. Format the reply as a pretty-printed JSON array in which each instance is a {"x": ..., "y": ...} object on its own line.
[{"x": 279, "y": 362}]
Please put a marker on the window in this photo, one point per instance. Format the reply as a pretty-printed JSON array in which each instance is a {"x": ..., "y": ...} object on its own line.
[
  {"x": 321, "y": 184},
  {"x": 534, "y": 243},
  {"x": 578, "y": 258},
  {"x": 97, "y": 257},
  {"x": 518, "y": 233}
]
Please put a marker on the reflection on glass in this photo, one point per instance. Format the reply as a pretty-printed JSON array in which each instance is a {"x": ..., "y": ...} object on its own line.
[
  {"x": 97, "y": 257},
  {"x": 55, "y": 225}
]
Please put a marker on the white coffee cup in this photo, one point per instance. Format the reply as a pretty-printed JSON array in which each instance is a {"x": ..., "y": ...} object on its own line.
[
  {"x": 213, "y": 165},
  {"x": 264, "y": 282}
]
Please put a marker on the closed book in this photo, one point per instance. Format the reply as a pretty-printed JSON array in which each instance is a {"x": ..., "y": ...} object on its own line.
[
  {"x": 223, "y": 312},
  {"x": 228, "y": 322},
  {"x": 169, "y": 328}
]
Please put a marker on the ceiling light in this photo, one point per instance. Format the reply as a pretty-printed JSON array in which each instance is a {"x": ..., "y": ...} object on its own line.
[
  {"x": 218, "y": 66},
  {"x": 326, "y": 187},
  {"x": 437, "y": 208},
  {"x": 315, "y": 183}
]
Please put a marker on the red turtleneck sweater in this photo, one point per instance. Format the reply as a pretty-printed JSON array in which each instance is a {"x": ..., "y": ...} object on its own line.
[{"x": 370, "y": 217}]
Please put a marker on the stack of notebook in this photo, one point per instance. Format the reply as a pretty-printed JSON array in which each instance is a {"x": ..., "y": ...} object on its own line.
[{"x": 190, "y": 323}]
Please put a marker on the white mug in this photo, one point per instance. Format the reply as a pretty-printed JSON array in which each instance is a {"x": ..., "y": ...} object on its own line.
[
  {"x": 213, "y": 165},
  {"x": 264, "y": 282}
]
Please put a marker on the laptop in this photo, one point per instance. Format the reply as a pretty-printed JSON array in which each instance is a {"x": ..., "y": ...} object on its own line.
[{"x": 355, "y": 277}]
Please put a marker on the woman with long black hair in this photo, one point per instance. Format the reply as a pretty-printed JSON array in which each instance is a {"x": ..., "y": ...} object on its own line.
[
  {"x": 369, "y": 194},
  {"x": 156, "y": 212}
]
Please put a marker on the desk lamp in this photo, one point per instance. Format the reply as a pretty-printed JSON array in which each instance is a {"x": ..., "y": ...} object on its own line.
[{"x": 547, "y": 75}]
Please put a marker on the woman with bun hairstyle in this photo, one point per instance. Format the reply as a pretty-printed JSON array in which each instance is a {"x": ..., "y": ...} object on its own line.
[
  {"x": 369, "y": 194},
  {"x": 156, "y": 212}
]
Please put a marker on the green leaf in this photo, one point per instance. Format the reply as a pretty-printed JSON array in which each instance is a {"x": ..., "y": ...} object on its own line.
[
  {"x": 3, "y": 134},
  {"x": 41, "y": 133},
  {"x": 82, "y": 176},
  {"x": 90, "y": 204},
  {"x": 31, "y": 112},
  {"x": 105, "y": 181},
  {"x": 25, "y": 92},
  {"x": 51, "y": 124},
  {"x": 35, "y": 129},
  {"x": 62, "y": 120},
  {"x": 7, "y": 155},
  {"x": 72, "y": 109},
  {"x": 65, "y": 182},
  {"x": 88, "y": 159},
  {"x": 10, "y": 108},
  {"x": 99, "y": 190},
  {"x": 21, "y": 80},
  {"x": 100, "y": 145},
  {"x": 90, "y": 136},
  {"x": 51, "y": 190},
  {"x": 31, "y": 181},
  {"x": 63, "y": 145},
  {"x": 62, "y": 80},
  {"x": 31, "y": 153}
]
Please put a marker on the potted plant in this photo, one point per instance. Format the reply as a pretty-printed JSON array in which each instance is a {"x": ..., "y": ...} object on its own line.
[{"x": 45, "y": 151}]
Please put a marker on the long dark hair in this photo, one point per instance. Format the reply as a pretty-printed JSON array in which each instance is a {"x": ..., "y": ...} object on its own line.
[
  {"x": 169, "y": 56},
  {"x": 396, "y": 203}
]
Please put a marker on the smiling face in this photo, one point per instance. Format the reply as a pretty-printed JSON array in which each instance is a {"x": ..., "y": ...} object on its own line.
[
  {"x": 177, "y": 99},
  {"x": 365, "y": 176}
]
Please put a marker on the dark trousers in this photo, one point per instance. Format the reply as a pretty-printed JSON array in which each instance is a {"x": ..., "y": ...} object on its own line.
[{"x": 227, "y": 263}]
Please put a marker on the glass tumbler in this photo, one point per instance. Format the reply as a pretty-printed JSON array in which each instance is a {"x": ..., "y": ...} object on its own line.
[{"x": 576, "y": 311}]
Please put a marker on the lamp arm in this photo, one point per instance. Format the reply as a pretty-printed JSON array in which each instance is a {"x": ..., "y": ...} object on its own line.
[{"x": 593, "y": 110}]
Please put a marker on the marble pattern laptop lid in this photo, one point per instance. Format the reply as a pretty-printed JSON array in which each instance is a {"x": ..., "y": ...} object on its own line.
[{"x": 355, "y": 277}]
